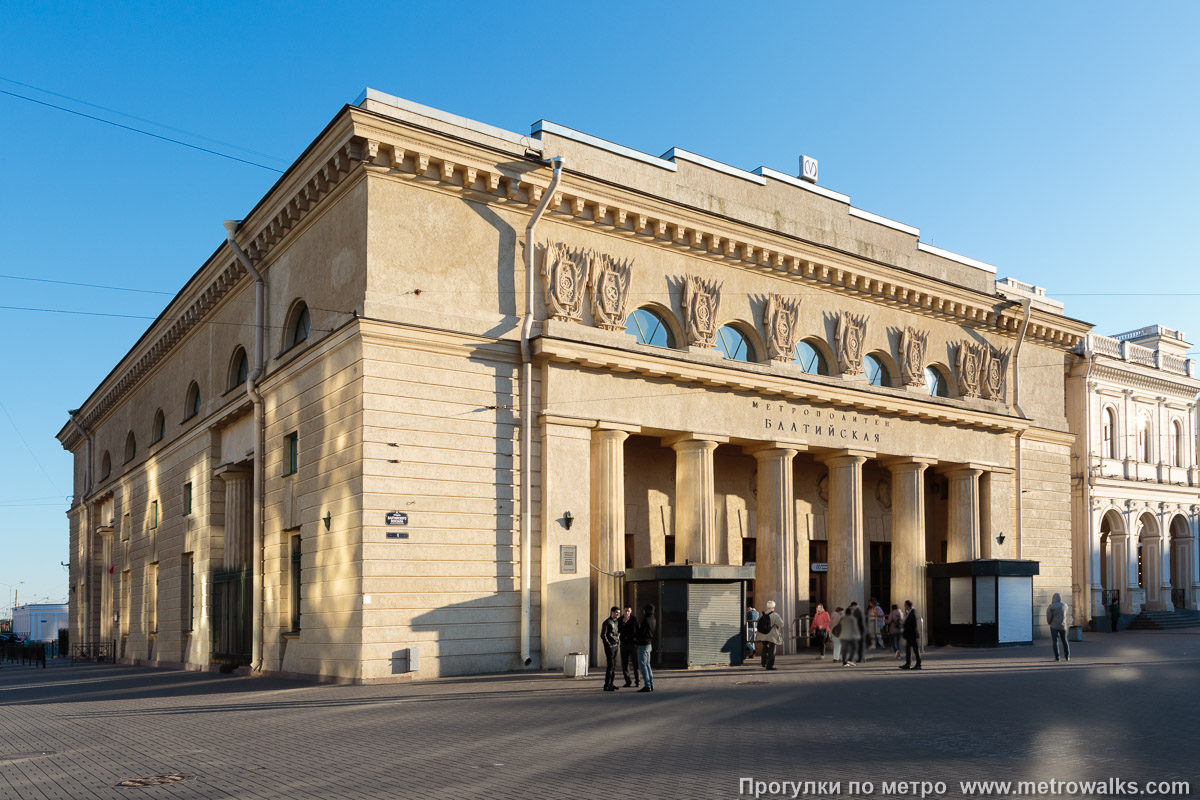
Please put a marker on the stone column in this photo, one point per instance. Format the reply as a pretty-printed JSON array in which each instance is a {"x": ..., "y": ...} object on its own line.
[
  {"x": 908, "y": 531},
  {"x": 775, "y": 554},
  {"x": 845, "y": 530},
  {"x": 1119, "y": 554},
  {"x": 964, "y": 524},
  {"x": 608, "y": 522},
  {"x": 695, "y": 512},
  {"x": 237, "y": 516}
]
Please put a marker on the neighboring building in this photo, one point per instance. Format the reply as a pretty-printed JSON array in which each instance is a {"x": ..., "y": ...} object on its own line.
[
  {"x": 40, "y": 622},
  {"x": 723, "y": 366},
  {"x": 1132, "y": 399}
]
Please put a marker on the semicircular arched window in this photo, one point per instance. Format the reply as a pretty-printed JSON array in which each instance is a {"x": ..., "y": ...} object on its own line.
[
  {"x": 876, "y": 370},
  {"x": 1109, "y": 433},
  {"x": 734, "y": 344},
  {"x": 191, "y": 406},
  {"x": 648, "y": 327},
  {"x": 130, "y": 447},
  {"x": 810, "y": 358},
  {"x": 159, "y": 429},
  {"x": 105, "y": 465},
  {"x": 936, "y": 382},
  {"x": 301, "y": 325},
  {"x": 239, "y": 369},
  {"x": 1144, "y": 437}
]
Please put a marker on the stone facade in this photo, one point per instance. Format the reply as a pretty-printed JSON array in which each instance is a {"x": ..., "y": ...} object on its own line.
[
  {"x": 726, "y": 369},
  {"x": 1136, "y": 501}
]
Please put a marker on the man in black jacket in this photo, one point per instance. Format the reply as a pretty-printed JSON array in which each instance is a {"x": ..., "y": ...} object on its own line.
[
  {"x": 645, "y": 644},
  {"x": 861, "y": 642},
  {"x": 912, "y": 643},
  {"x": 627, "y": 627},
  {"x": 611, "y": 639}
]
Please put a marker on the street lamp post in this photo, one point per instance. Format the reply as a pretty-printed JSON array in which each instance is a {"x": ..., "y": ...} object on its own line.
[{"x": 12, "y": 588}]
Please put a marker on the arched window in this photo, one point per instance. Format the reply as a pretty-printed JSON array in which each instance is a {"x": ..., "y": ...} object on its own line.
[
  {"x": 649, "y": 327},
  {"x": 105, "y": 465},
  {"x": 159, "y": 429},
  {"x": 1144, "y": 434},
  {"x": 876, "y": 370},
  {"x": 810, "y": 358},
  {"x": 191, "y": 406},
  {"x": 298, "y": 326},
  {"x": 1176, "y": 443},
  {"x": 239, "y": 368},
  {"x": 734, "y": 344},
  {"x": 130, "y": 447},
  {"x": 1110, "y": 434},
  {"x": 936, "y": 382}
]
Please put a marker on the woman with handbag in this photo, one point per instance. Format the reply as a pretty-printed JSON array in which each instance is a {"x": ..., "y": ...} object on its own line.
[{"x": 820, "y": 628}]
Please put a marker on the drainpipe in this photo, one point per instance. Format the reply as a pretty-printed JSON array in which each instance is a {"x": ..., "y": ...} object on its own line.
[
  {"x": 1028, "y": 306},
  {"x": 527, "y": 415},
  {"x": 256, "y": 555},
  {"x": 1085, "y": 586},
  {"x": 86, "y": 532}
]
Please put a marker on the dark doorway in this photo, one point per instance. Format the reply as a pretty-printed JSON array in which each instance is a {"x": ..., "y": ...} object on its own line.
[
  {"x": 818, "y": 572},
  {"x": 881, "y": 572},
  {"x": 749, "y": 556}
]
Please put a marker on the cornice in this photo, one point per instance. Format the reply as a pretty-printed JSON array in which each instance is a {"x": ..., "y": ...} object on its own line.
[
  {"x": 594, "y": 357},
  {"x": 1150, "y": 383},
  {"x": 393, "y": 148}
]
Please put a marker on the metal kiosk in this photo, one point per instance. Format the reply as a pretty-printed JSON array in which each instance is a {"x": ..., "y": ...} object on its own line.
[
  {"x": 983, "y": 603},
  {"x": 701, "y": 612}
]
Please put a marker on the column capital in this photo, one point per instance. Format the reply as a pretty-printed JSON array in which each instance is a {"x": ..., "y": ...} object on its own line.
[
  {"x": 694, "y": 440},
  {"x": 767, "y": 450},
  {"x": 905, "y": 463},
  {"x": 845, "y": 457},
  {"x": 963, "y": 471},
  {"x": 609, "y": 435}
]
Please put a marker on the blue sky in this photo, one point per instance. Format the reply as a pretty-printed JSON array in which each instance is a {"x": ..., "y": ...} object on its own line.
[{"x": 1054, "y": 140}]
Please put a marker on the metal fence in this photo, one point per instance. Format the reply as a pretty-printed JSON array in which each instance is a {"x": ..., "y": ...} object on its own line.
[
  {"x": 96, "y": 651},
  {"x": 29, "y": 653}
]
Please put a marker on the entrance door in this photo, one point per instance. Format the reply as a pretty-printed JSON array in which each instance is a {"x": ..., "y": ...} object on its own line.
[
  {"x": 881, "y": 572},
  {"x": 818, "y": 573}
]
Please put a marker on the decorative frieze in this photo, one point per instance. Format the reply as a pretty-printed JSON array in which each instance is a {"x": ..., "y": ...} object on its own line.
[
  {"x": 564, "y": 278},
  {"x": 913, "y": 344},
  {"x": 610, "y": 291},
  {"x": 781, "y": 320},
  {"x": 848, "y": 336},
  {"x": 701, "y": 303}
]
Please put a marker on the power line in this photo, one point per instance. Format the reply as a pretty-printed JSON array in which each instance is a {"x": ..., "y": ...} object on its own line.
[
  {"x": 85, "y": 285},
  {"x": 139, "y": 130},
  {"x": 33, "y": 455},
  {"x": 143, "y": 119}
]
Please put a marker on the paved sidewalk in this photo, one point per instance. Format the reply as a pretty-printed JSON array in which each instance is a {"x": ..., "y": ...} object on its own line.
[{"x": 1124, "y": 707}]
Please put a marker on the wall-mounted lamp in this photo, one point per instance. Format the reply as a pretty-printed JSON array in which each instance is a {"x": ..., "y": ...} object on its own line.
[
  {"x": 568, "y": 518},
  {"x": 1000, "y": 537},
  {"x": 327, "y": 519}
]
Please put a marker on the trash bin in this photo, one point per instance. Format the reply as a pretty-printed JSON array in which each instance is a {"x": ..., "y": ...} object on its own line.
[
  {"x": 575, "y": 665},
  {"x": 1075, "y": 633}
]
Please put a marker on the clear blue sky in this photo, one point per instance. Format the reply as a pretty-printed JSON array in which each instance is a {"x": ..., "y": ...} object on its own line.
[{"x": 1057, "y": 141}]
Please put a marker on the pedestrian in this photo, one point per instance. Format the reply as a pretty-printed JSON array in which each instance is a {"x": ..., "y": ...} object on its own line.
[
  {"x": 751, "y": 632},
  {"x": 912, "y": 635},
  {"x": 850, "y": 634},
  {"x": 860, "y": 643},
  {"x": 1114, "y": 613},
  {"x": 627, "y": 628},
  {"x": 895, "y": 626},
  {"x": 835, "y": 631},
  {"x": 1056, "y": 618},
  {"x": 877, "y": 620},
  {"x": 820, "y": 629},
  {"x": 645, "y": 644},
  {"x": 610, "y": 637},
  {"x": 770, "y": 633}
]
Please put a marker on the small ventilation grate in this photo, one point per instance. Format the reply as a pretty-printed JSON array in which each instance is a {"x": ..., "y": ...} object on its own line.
[{"x": 152, "y": 780}]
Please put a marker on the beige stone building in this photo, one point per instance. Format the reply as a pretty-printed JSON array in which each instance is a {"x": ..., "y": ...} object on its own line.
[
  {"x": 1132, "y": 399},
  {"x": 445, "y": 383}
]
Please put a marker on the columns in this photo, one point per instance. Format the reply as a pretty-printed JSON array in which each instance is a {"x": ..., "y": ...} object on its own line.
[
  {"x": 908, "y": 531},
  {"x": 964, "y": 524},
  {"x": 237, "y": 515},
  {"x": 845, "y": 528},
  {"x": 775, "y": 558},
  {"x": 608, "y": 521},
  {"x": 695, "y": 512},
  {"x": 1119, "y": 556}
]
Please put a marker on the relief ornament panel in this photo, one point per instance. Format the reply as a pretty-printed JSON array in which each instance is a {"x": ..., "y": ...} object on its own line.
[
  {"x": 610, "y": 291},
  {"x": 701, "y": 304},
  {"x": 564, "y": 277},
  {"x": 913, "y": 344},
  {"x": 781, "y": 319},
  {"x": 848, "y": 336}
]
